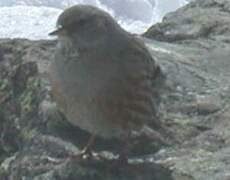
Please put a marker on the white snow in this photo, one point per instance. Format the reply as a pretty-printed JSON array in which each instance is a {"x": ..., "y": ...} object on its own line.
[
  {"x": 34, "y": 19},
  {"x": 27, "y": 22}
]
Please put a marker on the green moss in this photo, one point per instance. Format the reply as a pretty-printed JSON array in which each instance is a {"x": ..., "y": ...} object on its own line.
[
  {"x": 168, "y": 25},
  {"x": 3, "y": 84},
  {"x": 198, "y": 162},
  {"x": 30, "y": 98},
  {"x": 182, "y": 122},
  {"x": 178, "y": 119},
  {"x": 203, "y": 160},
  {"x": 201, "y": 153},
  {"x": 26, "y": 100},
  {"x": 3, "y": 174},
  {"x": 34, "y": 82},
  {"x": 28, "y": 134}
]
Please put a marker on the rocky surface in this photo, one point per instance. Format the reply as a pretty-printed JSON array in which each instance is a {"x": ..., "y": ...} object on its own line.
[
  {"x": 193, "y": 49},
  {"x": 36, "y": 142}
]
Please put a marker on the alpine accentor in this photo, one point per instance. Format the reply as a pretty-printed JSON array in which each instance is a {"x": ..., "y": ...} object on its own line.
[{"x": 102, "y": 76}]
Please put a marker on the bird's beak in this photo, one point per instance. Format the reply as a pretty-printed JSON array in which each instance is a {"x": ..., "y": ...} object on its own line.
[{"x": 57, "y": 31}]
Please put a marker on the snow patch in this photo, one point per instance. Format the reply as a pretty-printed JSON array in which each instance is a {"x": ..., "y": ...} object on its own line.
[
  {"x": 27, "y": 22},
  {"x": 34, "y": 19}
]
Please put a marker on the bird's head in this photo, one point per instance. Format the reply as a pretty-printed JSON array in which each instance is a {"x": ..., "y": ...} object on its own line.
[{"x": 84, "y": 23}]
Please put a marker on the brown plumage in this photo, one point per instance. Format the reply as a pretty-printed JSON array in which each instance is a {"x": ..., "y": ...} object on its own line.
[{"x": 102, "y": 76}]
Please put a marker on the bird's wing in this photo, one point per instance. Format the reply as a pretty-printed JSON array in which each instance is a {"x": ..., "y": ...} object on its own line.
[{"x": 138, "y": 69}]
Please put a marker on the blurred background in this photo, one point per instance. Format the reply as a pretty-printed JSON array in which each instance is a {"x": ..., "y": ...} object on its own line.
[{"x": 34, "y": 19}]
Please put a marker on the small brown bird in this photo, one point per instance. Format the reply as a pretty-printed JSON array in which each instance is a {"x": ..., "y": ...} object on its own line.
[{"x": 102, "y": 76}]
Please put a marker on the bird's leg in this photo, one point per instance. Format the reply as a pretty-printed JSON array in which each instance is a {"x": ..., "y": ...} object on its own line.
[
  {"x": 123, "y": 156},
  {"x": 86, "y": 151}
]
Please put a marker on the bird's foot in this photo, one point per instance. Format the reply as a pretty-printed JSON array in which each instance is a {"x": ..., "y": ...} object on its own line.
[
  {"x": 122, "y": 160},
  {"x": 117, "y": 163},
  {"x": 86, "y": 153}
]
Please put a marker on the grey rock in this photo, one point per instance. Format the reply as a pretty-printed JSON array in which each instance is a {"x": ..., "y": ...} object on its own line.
[
  {"x": 36, "y": 142},
  {"x": 206, "y": 19},
  {"x": 192, "y": 47}
]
